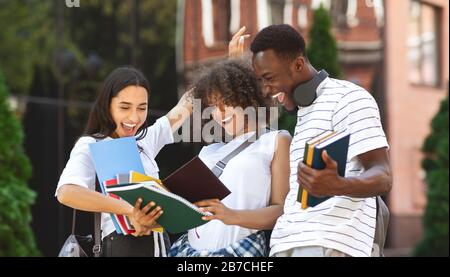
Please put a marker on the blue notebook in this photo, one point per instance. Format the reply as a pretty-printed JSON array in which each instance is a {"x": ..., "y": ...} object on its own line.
[
  {"x": 337, "y": 149},
  {"x": 336, "y": 144},
  {"x": 117, "y": 156},
  {"x": 112, "y": 157}
]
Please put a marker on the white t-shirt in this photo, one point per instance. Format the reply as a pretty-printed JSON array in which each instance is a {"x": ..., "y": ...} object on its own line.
[
  {"x": 248, "y": 177},
  {"x": 80, "y": 169},
  {"x": 343, "y": 223}
]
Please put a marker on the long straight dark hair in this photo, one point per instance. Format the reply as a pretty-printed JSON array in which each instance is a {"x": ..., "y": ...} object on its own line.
[{"x": 100, "y": 123}]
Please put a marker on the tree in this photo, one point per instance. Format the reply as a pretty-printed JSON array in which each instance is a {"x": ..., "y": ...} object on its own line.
[
  {"x": 435, "y": 239},
  {"x": 16, "y": 236},
  {"x": 25, "y": 40},
  {"x": 141, "y": 36},
  {"x": 322, "y": 48}
]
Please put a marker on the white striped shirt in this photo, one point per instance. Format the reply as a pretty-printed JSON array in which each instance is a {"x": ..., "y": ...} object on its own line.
[{"x": 343, "y": 223}]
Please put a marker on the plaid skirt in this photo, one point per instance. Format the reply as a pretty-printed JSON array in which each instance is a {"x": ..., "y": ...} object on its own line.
[{"x": 251, "y": 246}]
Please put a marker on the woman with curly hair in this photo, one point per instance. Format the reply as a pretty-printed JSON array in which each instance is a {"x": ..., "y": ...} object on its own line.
[{"x": 257, "y": 177}]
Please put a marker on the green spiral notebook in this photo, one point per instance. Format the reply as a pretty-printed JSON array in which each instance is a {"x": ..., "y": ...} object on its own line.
[{"x": 179, "y": 215}]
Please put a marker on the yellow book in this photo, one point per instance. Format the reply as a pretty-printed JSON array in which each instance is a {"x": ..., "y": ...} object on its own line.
[
  {"x": 136, "y": 177},
  {"x": 308, "y": 158}
]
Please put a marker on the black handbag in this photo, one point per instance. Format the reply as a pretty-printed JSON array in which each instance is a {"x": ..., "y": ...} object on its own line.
[{"x": 82, "y": 246}]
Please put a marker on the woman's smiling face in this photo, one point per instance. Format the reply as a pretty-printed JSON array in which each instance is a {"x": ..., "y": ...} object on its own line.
[
  {"x": 129, "y": 110},
  {"x": 231, "y": 119}
]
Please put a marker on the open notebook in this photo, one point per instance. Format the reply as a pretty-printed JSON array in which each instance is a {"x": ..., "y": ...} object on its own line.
[
  {"x": 195, "y": 181},
  {"x": 179, "y": 215}
]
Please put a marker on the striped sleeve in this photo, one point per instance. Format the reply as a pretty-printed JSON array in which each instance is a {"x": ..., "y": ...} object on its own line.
[{"x": 358, "y": 112}]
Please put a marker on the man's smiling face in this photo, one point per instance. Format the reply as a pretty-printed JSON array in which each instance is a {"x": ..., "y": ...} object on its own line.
[{"x": 276, "y": 76}]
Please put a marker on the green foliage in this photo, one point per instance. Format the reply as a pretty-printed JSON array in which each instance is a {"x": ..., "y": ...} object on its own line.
[
  {"x": 435, "y": 241},
  {"x": 104, "y": 28},
  {"x": 25, "y": 40},
  {"x": 157, "y": 50},
  {"x": 28, "y": 41},
  {"x": 287, "y": 122},
  {"x": 29, "y": 55},
  {"x": 16, "y": 236},
  {"x": 322, "y": 48}
]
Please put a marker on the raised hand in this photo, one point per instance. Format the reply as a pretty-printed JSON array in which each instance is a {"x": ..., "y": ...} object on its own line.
[
  {"x": 236, "y": 45},
  {"x": 187, "y": 99},
  {"x": 182, "y": 111}
]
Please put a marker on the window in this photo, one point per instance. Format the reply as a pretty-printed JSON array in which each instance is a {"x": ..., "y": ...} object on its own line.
[
  {"x": 277, "y": 11},
  {"x": 216, "y": 16},
  {"x": 338, "y": 12},
  {"x": 271, "y": 12},
  {"x": 222, "y": 16},
  {"x": 315, "y": 4},
  {"x": 423, "y": 41},
  {"x": 344, "y": 13}
]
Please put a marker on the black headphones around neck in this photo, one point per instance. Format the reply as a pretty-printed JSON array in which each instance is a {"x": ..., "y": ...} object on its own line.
[{"x": 305, "y": 93}]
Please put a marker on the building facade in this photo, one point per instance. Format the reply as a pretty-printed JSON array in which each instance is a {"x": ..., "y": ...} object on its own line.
[
  {"x": 416, "y": 82},
  {"x": 206, "y": 26}
]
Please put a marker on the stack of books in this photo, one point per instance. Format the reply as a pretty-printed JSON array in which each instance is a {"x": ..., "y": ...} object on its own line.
[
  {"x": 121, "y": 175},
  {"x": 336, "y": 144},
  {"x": 122, "y": 223},
  {"x": 179, "y": 215},
  {"x": 106, "y": 155}
]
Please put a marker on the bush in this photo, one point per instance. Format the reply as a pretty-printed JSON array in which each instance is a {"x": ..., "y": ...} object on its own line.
[
  {"x": 16, "y": 236},
  {"x": 435, "y": 239}
]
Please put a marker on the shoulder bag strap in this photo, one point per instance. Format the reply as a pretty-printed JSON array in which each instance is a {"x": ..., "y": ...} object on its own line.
[
  {"x": 97, "y": 228},
  {"x": 97, "y": 249},
  {"x": 74, "y": 220},
  {"x": 220, "y": 165}
]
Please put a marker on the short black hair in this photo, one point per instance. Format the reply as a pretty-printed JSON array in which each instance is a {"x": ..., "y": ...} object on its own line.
[{"x": 283, "y": 39}]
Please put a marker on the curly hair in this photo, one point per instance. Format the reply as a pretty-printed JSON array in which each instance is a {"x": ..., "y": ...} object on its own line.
[
  {"x": 283, "y": 39},
  {"x": 231, "y": 83}
]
